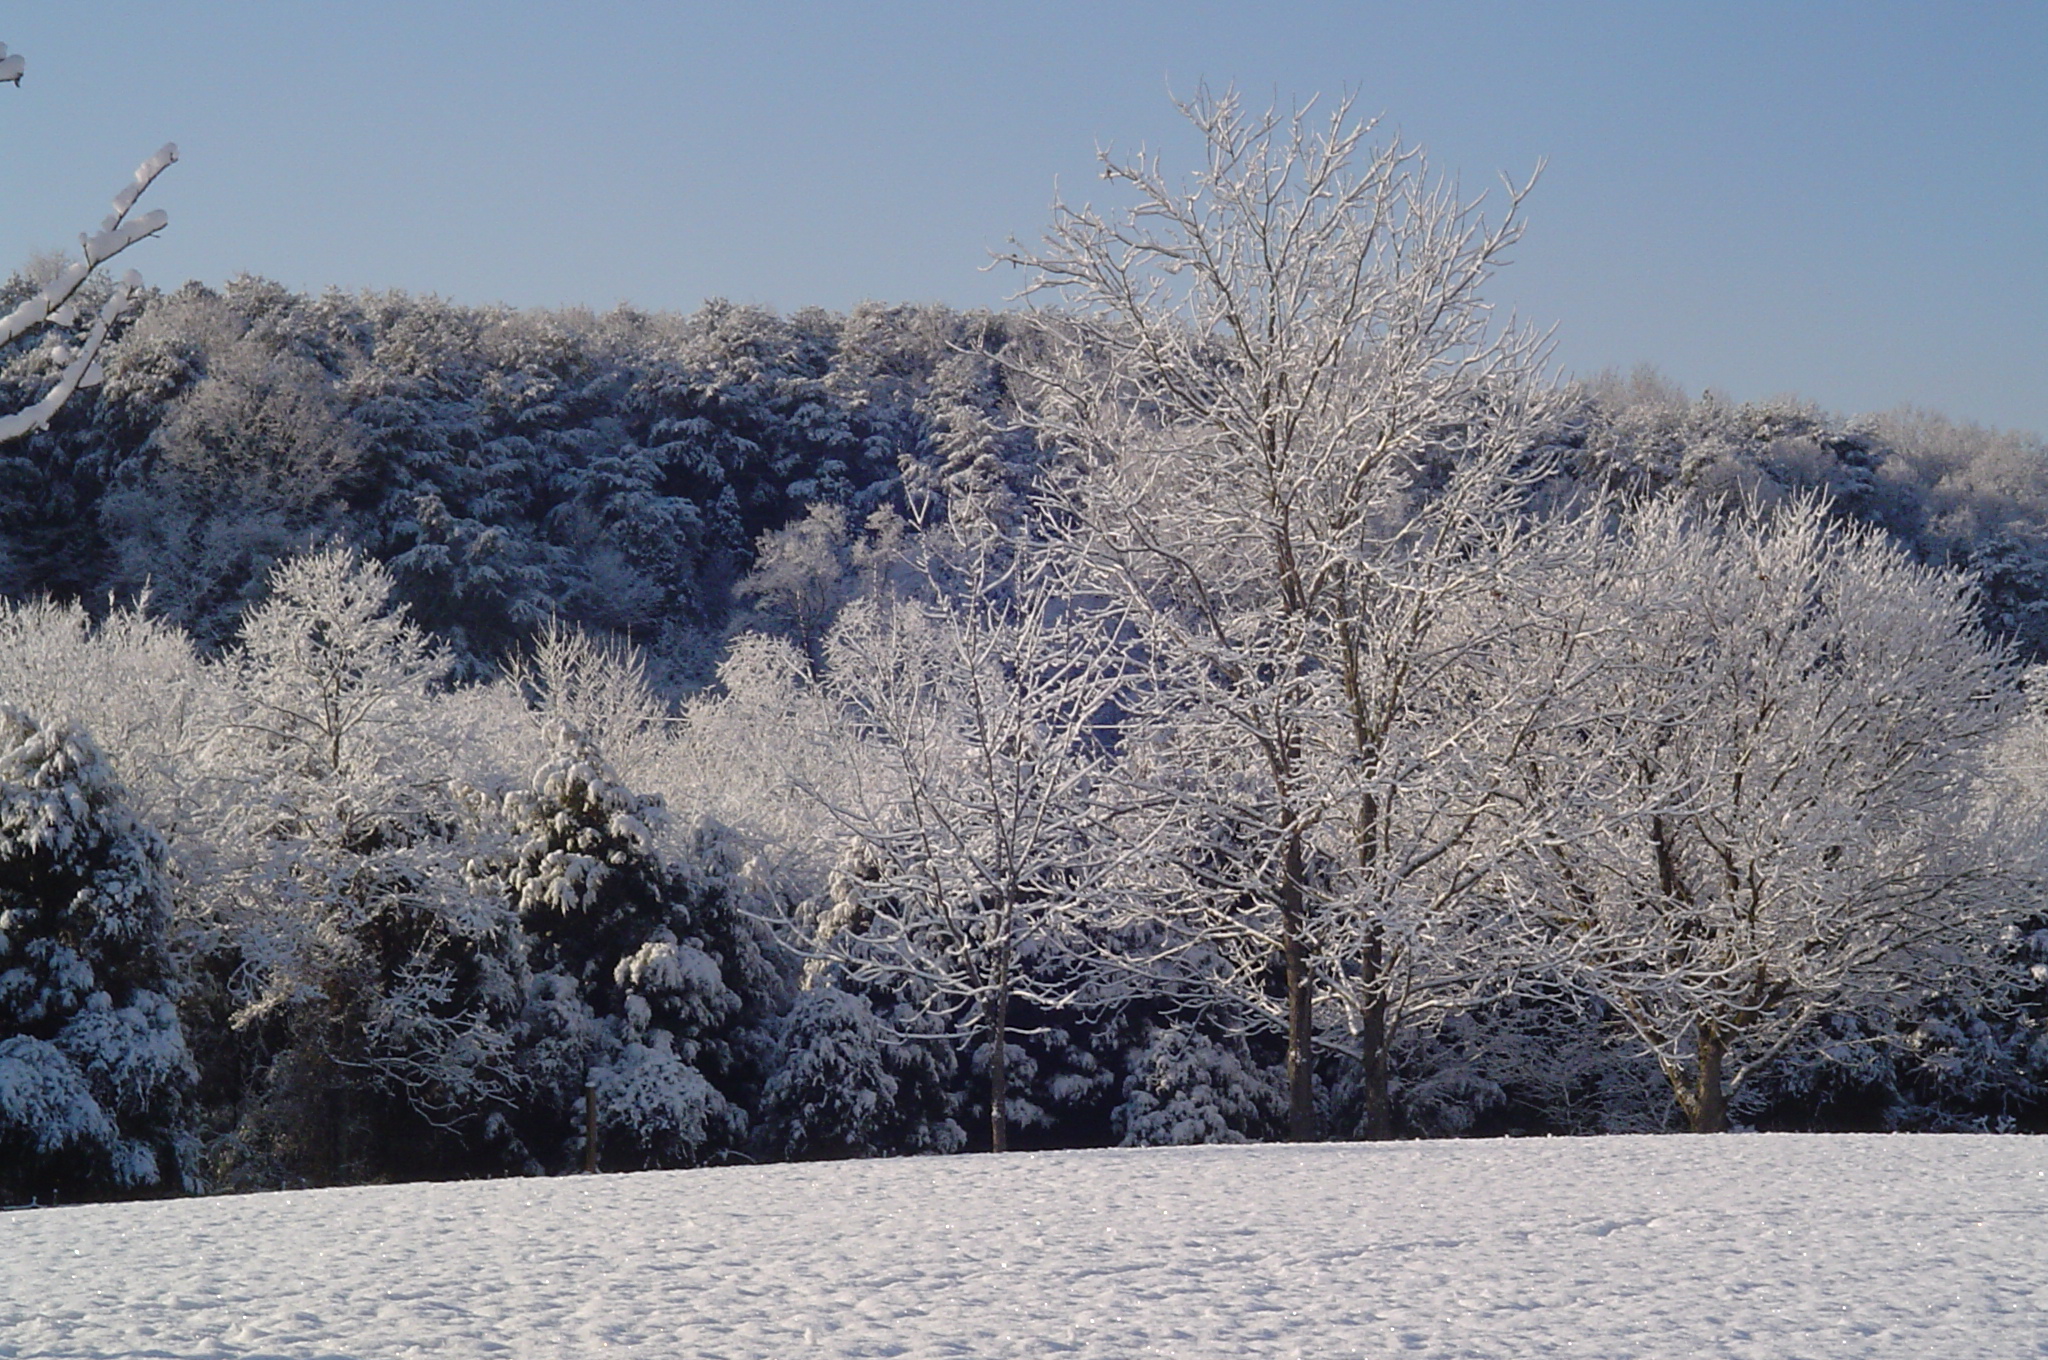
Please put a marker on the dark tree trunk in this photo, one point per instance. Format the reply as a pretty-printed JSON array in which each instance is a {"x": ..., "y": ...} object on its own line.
[
  {"x": 1372, "y": 1040},
  {"x": 999, "y": 1071},
  {"x": 1372, "y": 986},
  {"x": 335, "y": 1147},
  {"x": 1301, "y": 1068},
  {"x": 1709, "y": 1110}
]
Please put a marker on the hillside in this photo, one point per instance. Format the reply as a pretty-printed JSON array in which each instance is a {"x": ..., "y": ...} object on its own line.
[{"x": 1766, "y": 1246}]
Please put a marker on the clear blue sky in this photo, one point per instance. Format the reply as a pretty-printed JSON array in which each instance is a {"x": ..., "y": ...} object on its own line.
[{"x": 1844, "y": 201}]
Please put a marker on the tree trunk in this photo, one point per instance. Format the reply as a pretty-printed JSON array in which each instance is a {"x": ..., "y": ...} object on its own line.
[
  {"x": 999, "y": 1070},
  {"x": 1709, "y": 1110},
  {"x": 1372, "y": 959},
  {"x": 1372, "y": 1040},
  {"x": 1301, "y": 1069}
]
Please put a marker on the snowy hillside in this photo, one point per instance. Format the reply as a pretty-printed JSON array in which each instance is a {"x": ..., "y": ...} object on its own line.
[{"x": 1756, "y": 1246}]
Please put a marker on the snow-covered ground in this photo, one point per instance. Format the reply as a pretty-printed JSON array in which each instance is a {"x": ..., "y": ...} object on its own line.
[{"x": 1757, "y": 1246}]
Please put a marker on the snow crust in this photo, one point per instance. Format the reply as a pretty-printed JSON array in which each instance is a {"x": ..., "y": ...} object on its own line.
[{"x": 1754, "y": 1246}]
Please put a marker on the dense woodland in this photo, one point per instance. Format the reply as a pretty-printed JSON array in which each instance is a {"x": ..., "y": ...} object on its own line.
[{"x": 1239, "y": 696}]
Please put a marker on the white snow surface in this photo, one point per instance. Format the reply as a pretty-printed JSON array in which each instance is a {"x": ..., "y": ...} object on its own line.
[{"x": 1740, "y": 1245}]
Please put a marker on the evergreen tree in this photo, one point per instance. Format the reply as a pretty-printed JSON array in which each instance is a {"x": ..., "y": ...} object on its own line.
[
  {"x": 1188, "y": 1086},
  {"x": 846, "y": 1084},
  {"x": 646, "y": 984},
  {"x": 94, "y": 1073}
]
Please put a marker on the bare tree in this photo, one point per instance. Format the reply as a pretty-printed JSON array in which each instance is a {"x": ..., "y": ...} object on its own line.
[
  {"x": 971, "y": 715},
  {"x": 330, "y": 863},
  {"x": 802, "y": 574},
  {"x": 1299, "y": 435},
  {"x": 55, "y": 303},
  {"x": 1768, "y": 802}
]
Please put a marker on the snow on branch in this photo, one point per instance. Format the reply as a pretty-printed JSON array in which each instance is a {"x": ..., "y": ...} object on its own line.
[
  {"x": 53, "y": 305},
  {"x": 81, "y": 366}
]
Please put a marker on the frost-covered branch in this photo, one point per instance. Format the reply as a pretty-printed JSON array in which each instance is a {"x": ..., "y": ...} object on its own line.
[{"x": 54, "y": 304}]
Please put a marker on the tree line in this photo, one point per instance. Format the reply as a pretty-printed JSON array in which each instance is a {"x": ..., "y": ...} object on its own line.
[{"x": 1240, "y": 695}]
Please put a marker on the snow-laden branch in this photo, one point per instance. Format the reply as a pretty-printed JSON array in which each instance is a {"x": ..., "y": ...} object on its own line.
[
  {"x": 54, "y": 303},
  {"x": 81, "y": 366}
]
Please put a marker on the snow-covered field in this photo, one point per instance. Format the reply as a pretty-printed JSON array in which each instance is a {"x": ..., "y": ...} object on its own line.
[{"x": 1757, "y": 1246}]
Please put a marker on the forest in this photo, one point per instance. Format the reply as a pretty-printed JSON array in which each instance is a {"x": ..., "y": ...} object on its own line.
[{"x": 1240, "y": 694}]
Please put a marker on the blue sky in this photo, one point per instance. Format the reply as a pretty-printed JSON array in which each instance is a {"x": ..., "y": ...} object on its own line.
[{"x": 1847, "y": 202}]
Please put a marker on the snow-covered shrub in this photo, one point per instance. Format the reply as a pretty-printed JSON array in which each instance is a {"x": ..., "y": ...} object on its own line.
[
  {"x": 94, "y": 1072},
  {"x": 1187, "y": 1087},
  {"x": 655, "y": 1109},
  {"x": 846, "y": 1085}
]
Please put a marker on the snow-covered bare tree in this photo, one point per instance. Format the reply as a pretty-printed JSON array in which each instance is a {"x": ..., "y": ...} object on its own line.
[
  {"x": 764, "y": 753},
  {"x": 55, "y": 304},
  {"x": 1768, "y": 805},
  {"x": 368, "y": 976},
  {"x": 970, "y": 713},
  {"x": 597, "y": 687},
  {"x": 802, "y": 575},
  {"x": 131, "y": 680},
  {"x": 1298, "y": 434}
]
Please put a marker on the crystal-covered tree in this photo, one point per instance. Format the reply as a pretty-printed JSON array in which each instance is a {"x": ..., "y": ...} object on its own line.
[
  {"x": 372, "y": 983},
  {"x": 972, "y": 715},
  {"x": 1298, "y": 434},
  {"x": 1763, "y": 807}
]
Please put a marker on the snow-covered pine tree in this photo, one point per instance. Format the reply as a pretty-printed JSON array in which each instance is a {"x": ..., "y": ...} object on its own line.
[
  {"x": 1189, "y": 1086},
  {"x": 845, "y": 1084},
  {"x": 94, "y": 1073},
  {"x": 645, "y": 981}
]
